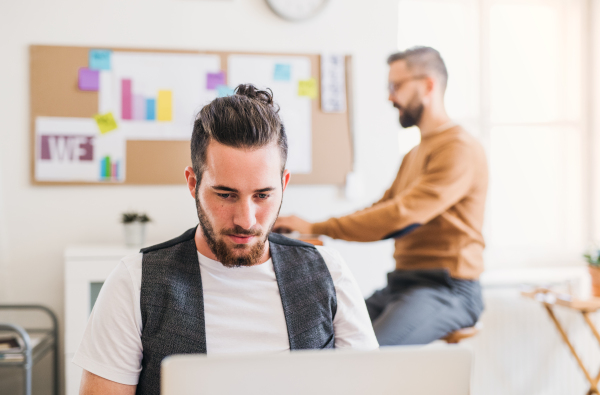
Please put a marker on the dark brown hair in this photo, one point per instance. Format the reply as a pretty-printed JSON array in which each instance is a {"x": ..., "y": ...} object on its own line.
[
  {"x": 247, "y": 119},
  {"x": 423, "y": 60}
]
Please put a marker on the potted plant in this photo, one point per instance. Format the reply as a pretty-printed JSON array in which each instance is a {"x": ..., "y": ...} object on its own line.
[
  {"x": 134, "y": 225},
  {"x": 593, "y": 259}
]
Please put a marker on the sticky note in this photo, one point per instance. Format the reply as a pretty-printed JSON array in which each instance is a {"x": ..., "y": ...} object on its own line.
[
  {"x": 99, "y": 59},
  {"x": 89, "y": 80},
  {"x": 106, "y": 122},
  {"x": 283, "y": 72},
  {"x": 164, "y": 106},
  {"x": 215, "y": 79},
  {"x": 307, "y": 88},
  {"x": 224, "y": 90}
]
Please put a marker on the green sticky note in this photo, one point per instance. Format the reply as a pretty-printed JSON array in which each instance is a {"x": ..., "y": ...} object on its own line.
[
  {"x": 106, "y": 122},
  {"x": 308, "y": 88}
]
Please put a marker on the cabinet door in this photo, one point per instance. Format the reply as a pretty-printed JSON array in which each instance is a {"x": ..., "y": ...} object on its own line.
[{"x": 83, "y": 280}]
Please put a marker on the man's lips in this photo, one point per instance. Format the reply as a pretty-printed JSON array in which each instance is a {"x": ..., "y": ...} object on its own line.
[{"x": 241, "y": 239}]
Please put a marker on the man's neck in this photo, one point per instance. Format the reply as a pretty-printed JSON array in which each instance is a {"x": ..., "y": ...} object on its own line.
[{"x": 432, "y": 124}]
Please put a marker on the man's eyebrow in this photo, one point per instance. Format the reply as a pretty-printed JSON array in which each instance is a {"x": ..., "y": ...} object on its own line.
[
  {"x": 224, "y": 188},
  {"x": 227, "y": 189}
]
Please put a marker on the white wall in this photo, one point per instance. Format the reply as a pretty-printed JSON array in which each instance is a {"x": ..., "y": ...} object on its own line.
[
  {"x": 37, "y": 222},
  {"x": 595, "y": 120}
]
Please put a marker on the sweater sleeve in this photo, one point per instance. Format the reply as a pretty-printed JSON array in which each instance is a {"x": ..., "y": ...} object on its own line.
[{"x": 447, "y": 178}]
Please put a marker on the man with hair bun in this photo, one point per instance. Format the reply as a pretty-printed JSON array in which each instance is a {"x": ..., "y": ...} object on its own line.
[
  {"x": 433, "y": 209},
  {"x": 227, "y": 285}
]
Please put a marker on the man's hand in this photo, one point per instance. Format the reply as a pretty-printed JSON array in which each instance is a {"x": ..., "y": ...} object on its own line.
[{"x": 291, "y": 224}]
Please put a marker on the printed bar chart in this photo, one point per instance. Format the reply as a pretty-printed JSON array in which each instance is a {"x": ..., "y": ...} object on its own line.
[
  {"x": 109, "y": 169},
  {"x": 135, "y": 107}
]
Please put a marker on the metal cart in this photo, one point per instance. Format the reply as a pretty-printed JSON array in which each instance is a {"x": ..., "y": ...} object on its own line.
[{"x": 36, "y": 343}]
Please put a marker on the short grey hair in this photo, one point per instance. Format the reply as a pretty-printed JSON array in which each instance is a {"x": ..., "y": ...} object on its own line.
[{"x": 424, "y": 60}]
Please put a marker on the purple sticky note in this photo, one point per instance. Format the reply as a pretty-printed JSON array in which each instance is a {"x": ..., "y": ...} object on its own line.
[
  {"x": 89, "y": 80},
  {"x": 215, "y": 79}
]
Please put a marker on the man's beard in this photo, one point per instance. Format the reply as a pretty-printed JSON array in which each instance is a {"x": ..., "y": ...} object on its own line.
[
  {"x": 411, "y": 114},
  {"x": 222, "y": 251}
]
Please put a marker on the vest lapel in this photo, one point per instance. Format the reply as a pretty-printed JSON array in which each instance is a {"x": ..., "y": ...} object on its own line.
[{"x": 307, "y": 293}]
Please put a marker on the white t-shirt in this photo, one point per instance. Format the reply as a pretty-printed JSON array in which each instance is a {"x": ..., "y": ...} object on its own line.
[{"x": 242, "y": 309}]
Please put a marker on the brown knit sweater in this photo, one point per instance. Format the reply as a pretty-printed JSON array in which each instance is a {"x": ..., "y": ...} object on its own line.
[{"x": 434, "y": 209}]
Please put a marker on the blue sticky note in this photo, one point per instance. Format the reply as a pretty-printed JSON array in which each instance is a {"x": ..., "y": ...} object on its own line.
[
  {"x": 150, "y": 109},
  {"x": 283, "y": 72},
  {"x": 99, "y": 59},
  {"x": 224, "y": 90}
]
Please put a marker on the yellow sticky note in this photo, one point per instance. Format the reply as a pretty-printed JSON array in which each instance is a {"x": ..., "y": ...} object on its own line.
[
  {"x": 164, "y": 106},
  {"x": 106, "y": 122},
  {"x": 308, "y": 88}
]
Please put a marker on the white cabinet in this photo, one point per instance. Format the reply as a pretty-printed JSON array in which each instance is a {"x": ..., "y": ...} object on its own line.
[{"x": 86, "y": 269}]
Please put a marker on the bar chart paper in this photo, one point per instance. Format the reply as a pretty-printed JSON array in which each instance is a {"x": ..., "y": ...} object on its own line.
[{"x": 156, "y": 96}]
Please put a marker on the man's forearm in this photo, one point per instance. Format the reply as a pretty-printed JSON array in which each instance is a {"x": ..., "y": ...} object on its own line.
[{"x": 92, "y": 384}]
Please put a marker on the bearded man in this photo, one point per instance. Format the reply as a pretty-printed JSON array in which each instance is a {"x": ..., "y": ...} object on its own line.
[
  {"x": 228, "y": 285},
  {"x": 434, "y": 211}
]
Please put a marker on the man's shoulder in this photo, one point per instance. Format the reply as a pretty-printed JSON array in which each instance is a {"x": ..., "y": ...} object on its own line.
[
  {"x": 132, "y": 261},
  {"x": 461, "y": 136},
  {"x": 335, "y": 263},
  {"x": 188, "y": 235},
  {"x": 458, "y": 143}
]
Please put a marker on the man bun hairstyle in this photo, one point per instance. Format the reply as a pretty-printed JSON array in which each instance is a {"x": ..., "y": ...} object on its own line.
[
  {"x": 423, "y": 60},
  {"x": 247, "y": 119}
]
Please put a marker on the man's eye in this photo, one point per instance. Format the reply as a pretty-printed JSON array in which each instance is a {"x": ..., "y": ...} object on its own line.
[
  {"x": 224, "y": 195},
  {"x": 263, "y": 195}
]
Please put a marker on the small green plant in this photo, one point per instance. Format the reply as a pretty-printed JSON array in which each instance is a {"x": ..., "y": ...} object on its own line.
[
  {"x": 130, "y": 217},
  {"x": 593, "y": 257}
]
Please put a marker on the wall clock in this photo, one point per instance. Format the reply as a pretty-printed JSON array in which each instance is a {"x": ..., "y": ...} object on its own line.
[{"x": 296, "y": 10}]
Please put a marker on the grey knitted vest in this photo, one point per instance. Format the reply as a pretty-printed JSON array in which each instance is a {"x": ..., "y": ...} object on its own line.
[{"x": 172, "y": 301}]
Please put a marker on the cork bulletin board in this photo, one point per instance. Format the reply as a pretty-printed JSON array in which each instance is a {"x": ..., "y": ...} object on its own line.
[{"x": 56, "y": 93}]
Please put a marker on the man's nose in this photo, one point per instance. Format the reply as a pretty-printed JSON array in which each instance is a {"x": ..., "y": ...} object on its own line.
[{"x": 245, "y": 215}]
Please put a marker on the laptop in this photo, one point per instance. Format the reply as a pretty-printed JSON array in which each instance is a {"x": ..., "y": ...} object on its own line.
[{"x": 406, "y": 370}]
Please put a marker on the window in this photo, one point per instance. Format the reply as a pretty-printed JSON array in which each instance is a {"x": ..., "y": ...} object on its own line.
[{"x": 516, "y": 72}]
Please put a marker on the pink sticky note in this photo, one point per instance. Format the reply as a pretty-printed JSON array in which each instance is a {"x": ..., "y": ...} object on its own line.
[
  {"x": 89, "y": 80},
  {"x": 215, "y": 79}
]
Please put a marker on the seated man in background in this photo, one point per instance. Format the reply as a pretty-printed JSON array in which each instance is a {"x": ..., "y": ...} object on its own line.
[
  {"x": 228, "y": 285},
  {"x": 434, "y": 211}
]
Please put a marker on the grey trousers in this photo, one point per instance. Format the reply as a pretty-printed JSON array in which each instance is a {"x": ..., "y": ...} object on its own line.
[{"x": 420, "y": 306}]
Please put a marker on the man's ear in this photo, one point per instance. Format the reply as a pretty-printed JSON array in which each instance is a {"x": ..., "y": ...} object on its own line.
[
  {"x": 190, "y": 177},
  {"x": 285, "y": 179},
  {"x": 430, "y": 84}
]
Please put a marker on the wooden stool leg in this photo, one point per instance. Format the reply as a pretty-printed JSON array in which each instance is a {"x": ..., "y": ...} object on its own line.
[
  {"x": 586, "y": 317},
  {"x": 593, "y": 384}
]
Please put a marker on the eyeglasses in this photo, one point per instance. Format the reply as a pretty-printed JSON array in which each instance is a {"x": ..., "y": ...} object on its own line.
[{"x": 393, "y": 87}]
